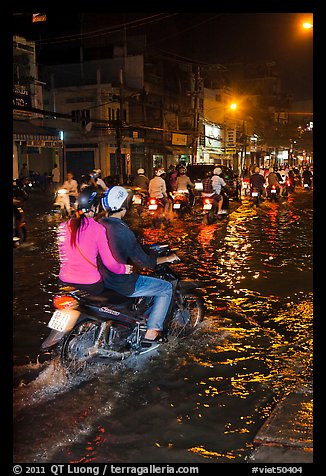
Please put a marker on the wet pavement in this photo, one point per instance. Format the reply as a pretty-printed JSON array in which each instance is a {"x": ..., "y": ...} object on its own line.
[{"x": 205, "y": 400}]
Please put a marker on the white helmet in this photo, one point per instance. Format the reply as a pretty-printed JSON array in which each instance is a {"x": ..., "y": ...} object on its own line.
[
  {"x": 217, "y": 171},
  {"x": 159, "y": 172},
  {"x": 140, "y": 171},
  {"x": 114, "y": 198}
]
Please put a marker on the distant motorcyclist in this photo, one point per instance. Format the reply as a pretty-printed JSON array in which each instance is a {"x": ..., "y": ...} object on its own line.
[
  {"x": 212, "y": 186},
  {"x": 183, "y": 182},
  {"x": 307, "y": 176},
  {"x": 95, "y": 179},
  {"x": 257, "y": 181},
  {"x": 141, "y": 180},
  {"x": 157, "y": 189},
  {"x": 72, "y": 186},
  {"x": 272, "y": 178}
]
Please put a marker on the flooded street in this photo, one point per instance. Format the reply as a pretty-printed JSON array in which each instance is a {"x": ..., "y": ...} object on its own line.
[{"x": 201, "y": 400}]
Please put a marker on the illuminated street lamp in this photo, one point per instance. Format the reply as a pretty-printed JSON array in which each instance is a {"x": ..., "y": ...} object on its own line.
[{"x": 307, "y": 25}]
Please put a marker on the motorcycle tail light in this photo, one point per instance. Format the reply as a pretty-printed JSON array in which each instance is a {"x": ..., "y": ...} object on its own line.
[
  {"x": 273, "y": 186},
  {"x": 207, "y": 200},
  {"x": 152, "y": 201},
  {"x": 64, "y": 302}
]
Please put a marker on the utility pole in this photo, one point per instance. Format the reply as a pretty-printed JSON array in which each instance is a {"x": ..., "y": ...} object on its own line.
[
  {"x": 119, "y": 126},
  {"x": 196, "y": 117}
]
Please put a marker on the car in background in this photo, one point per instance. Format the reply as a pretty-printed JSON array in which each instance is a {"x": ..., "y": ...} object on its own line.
[{"x": 198, "y": 172}]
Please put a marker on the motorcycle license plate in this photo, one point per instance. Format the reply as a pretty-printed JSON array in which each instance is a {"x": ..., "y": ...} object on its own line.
[
  {"x": 207, "y": 206},
  {"x": 137, "y": 200},
  {"x": 152, "y": 207},
  {"x": 273, "y": 191},
  {"x": 255, "y": 194},
  {"x": 59, "y": 321},
  {"x": 176, "y": 205}
]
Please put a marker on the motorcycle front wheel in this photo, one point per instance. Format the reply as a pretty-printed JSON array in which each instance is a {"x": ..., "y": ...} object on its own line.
[{"x": 186, "y": 319}]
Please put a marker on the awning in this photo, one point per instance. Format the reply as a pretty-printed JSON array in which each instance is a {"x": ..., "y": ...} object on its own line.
[{"x": 26, "y": 130}]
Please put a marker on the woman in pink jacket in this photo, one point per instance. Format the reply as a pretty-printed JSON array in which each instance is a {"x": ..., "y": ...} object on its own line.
[{"x": 80, "y": 241}]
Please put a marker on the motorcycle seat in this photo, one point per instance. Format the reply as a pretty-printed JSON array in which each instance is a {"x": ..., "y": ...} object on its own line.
[{"x": 109, "y": 295}]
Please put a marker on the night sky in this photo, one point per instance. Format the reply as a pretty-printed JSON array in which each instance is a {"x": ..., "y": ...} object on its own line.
[{"x": 200, "y": 37}]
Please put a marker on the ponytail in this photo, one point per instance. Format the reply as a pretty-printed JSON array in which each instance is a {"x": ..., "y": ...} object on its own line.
[{"x": 75, "y": 225}]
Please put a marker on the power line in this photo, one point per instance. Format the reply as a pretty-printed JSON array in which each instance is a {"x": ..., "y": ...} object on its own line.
[{"x": 105, "y": 31}]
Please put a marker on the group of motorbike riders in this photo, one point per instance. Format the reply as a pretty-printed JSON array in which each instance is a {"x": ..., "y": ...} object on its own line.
[
  {"x": 163, "y": 185},
  {"x": 99, "y": 251}
]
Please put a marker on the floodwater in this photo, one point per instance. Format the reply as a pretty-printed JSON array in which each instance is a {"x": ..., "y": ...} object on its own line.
[{"x": 201, "y": 400}]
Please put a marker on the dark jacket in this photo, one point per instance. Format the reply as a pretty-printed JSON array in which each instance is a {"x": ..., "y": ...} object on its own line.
[
  {"x": 125, "y": 249},
  {"x": 257, "y": 180}
]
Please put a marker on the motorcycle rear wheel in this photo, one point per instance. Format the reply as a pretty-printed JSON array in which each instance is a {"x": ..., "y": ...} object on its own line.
[
  {"x": 186, "y": 320},
  {"x": 76, "y": 348}
]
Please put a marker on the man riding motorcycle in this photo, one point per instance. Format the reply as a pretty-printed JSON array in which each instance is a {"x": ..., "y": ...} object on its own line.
[
  {"x": 272, "y": 180},
  {"x": 183, "y": 182},
  {"x": 212, "y": 188},
  {"x": 125, "y": 248},
  {"x": 157, "y": 189},
  {"x": 141, "y": 181},
  {"x": 257, "y": 181}
]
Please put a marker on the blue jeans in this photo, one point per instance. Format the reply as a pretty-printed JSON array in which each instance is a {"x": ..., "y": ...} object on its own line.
[{"x": 162, "y": 293}]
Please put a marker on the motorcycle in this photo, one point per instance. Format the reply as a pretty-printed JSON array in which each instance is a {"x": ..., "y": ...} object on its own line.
[
  {"x": 181, "y": 202},
  {"x": 287, "y": 187},
  {"x": 306, "y": 183},
  {"x": 139, "y": 199},
  {"x": 255, "y": 194},
  {"x": 110, "y": 327},
  {"x": 155, "y": 209},
  {"x": 20, "y": 190},
  {"x": 210, "y": 207},
  {"x": 245, "y": 186},
  {"x": 63, "y": 203},
  {"x": 19, "y": 226},
  {"x": 273, "y": 193}
]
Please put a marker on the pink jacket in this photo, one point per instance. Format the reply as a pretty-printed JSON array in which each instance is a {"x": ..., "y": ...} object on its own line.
[{"x": 92, "y": 241}]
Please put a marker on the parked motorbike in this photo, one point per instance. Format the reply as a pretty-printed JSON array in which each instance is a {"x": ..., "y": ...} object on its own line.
[
  {"x": 110, "y": 327},
  {"x": 19, "y": 225}
]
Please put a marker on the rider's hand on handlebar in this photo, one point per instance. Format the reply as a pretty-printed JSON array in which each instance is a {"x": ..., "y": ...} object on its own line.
[
  {"x": 167, "y": 259},
  {"x": 129, "y": 268},
  {"x": 171, "y": 258}
]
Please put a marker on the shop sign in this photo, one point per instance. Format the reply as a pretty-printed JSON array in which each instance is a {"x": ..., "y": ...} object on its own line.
[
  {"x": 213, "y": 136},
  {"x": 22, "y": 97},
  {"x": 179, "y": 139}
]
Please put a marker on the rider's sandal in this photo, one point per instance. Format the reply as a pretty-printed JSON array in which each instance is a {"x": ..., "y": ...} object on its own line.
[{"x": 150, "y": 342}]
